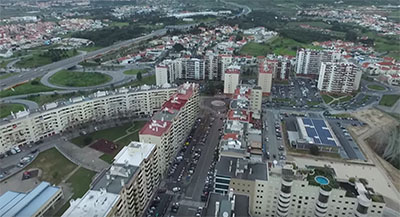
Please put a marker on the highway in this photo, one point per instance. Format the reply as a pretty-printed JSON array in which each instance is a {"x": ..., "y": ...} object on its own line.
[{"x": 66, "y": 63}]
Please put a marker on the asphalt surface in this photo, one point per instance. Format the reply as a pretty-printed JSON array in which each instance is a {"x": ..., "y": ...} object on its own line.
[{"x": 67, "y": 63}]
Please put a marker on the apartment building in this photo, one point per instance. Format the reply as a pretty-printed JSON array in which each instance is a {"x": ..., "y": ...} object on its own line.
[
  {"x": 124, "y": 189},
  {"x": 162, "y": 75},
  {"x": 339, "y": 77},
  {"x": 265, "y": 75},
  {"x": 211, "y": 65},
  {"x": 231, "y": 80},
  {"x": 169, "y": 127},
  {"x": 224, "y": 61},
  {"x": 30, "y": 126},
  {"x": 313, "y": 191},
  {"x": 308, "y": 61}
]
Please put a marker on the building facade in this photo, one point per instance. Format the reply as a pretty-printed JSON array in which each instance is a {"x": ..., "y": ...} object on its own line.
[
  {"x": 265, "y": 74},
  {"x": 169, "y": 127},
  {"x": 339, "y": 77},
  {"x": 231, "y": 80},
  {"x": 308, "y": 61},
  {"x": 124, "y": 189},
  {"x": 53, "y": 118}
]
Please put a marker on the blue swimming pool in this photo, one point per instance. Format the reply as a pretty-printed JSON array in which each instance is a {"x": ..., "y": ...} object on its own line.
[{"x": 321, "y": 180}]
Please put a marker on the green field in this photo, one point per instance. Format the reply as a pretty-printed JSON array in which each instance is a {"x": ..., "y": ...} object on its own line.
[
  {"x": 118, "y": 24},
  {"x": 6, "y": 109},
  {"x": 389, "y": 100},
  {"x": 278, "y": 46},
  {"x": 135, "y": 71},
  {"x": 54, "y": 166},
  {"x": 376, "y": 87},
  {"x": 327, "y": 99},
  {"x": 89, "y": 48},
  {"x": 149, "y": 80},
  {"x": 80, "y": 181},
  {"x": 38, "y": 58},
  {"x": 121, "y": 135},
  {"x": 345, "y": 99},
  {"x": 43, "y": 99},
  {"x": 31, "y": 87},
  {"x": 3, "y": 63},
  {"x": 78, "y": 79}
]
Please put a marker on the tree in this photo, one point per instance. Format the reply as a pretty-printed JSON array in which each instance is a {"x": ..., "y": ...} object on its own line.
[
  {"x": 178, "y": 47},
  {"x": 139, "y": 76},
  {"x": 35, "y": 82},
  {"x": 314, "y": 150},
  {"x": 87, "y": 140},
  {"x": 351, "y": 36}
]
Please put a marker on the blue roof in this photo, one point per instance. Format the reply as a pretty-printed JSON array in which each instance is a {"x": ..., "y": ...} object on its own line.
[
  {"x": 318, "y": 131},
  {"x": 26, "y": 204}
]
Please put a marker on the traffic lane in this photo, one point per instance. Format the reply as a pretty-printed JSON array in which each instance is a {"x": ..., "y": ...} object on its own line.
[
  {"x": 196, "y": 189},
  {"x": 185, "y": 211},
  {"x": 66, "y": 63},
  {"x": 273, "y": 143}
]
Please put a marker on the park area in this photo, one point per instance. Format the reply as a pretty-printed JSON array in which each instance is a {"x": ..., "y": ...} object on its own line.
[
  {"x": 56, "y": 169},
  {"x": 39, "y": 57},
  {"x": 389, "y": 100},
  {"x": 78, "y": 79},
  {"x": 33, "y": 86},
  {"x": 6, "y": 109},
  {"x": 120, "y": 135},
  {"x": 277, "y": 45},
  {"x": 376, "y": 87},
  {"x": 135, "y": 71}
]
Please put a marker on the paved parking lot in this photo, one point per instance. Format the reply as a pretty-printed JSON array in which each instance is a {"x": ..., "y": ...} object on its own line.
[{"x": 299, "y": 93}]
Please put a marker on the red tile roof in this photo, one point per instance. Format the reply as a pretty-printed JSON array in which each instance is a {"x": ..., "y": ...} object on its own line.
[
  {"x": 230, "y": 136},
  {"x": 155, "y": 128}
]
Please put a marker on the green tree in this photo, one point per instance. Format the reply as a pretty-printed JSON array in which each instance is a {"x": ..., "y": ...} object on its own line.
[
  {"x": 139, "y": 76},
  {"x": 87, "y": 140},
  {"x": 314, "y": 150}
]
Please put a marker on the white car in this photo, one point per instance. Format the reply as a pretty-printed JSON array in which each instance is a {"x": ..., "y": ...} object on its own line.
[
  {"x": 18, "y": 150},
  {"x": 176, "y": 189}
]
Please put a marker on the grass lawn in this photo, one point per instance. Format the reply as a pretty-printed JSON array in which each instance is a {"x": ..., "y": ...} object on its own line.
[
  {"x": 109, "y": 134},
  {"x": 389, "y": 100},
  {"x": 133, "y": 136},
  {"x": 36, "y": 59},
  {"x": 54, "y": 166},
  {"x": 43, "y": 99},
  {"x": 89, "y": 48},
  {"x": 345, "y": 99},
  {"x": 149, "y": 80},
  {"x": 376, "y": 87},
  {"x": 78, "y": 79},
  {"x": 6, "y": 109},
  {"x": 3, "y": 63},
  {"x": 6, "y": 75},
  {"x": 31, "y": 87},
  {"x": 80, "y": 183},
  {"x": 312, "y": 103},
  {"x": 135, "y": 71},
  {"x": 278, "y": 46},
  {"x": 327, "y": 99},
  {"x": 119, "y": 24}
]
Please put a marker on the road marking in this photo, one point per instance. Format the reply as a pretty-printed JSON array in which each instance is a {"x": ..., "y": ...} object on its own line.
[
  {"x": 188, "y": 197},
  {"x": 192, "y": 209}
]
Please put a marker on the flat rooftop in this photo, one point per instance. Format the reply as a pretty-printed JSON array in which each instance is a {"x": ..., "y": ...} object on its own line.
[
  {"x": 241, "y": 169},
  {"x": 241, "y": 208},
  {"x": 134, "y": 153},
  {"x": 114, "y": 178},
  {"x": 26, "y": 204},
  {"x": 92, "y": 204},
  {"x": 317, "y": 130}
]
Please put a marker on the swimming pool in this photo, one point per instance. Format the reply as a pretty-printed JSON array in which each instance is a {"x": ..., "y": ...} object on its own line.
[{"x": 321, "y": 180}]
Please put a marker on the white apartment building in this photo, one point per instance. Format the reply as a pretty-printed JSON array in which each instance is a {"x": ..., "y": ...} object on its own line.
[
  {"x": 265, "y": 74},
  {"x": 124, "y": 189},
  {"x": 224, "y": 61},
  {"x": 169, "y": 127},
  {"x": 288, "y": 192},
  {"x": 162, "y": 76},
  {"x": 308, "y": 61},
  {"x": 231, "y": 80},
  {"x": 30, "y": 126},
  {"x": 211, "y": 65},
  {"x": 339, "y": 77}
]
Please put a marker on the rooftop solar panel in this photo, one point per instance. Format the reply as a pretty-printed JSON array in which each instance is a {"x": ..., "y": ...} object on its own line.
[
  {"x": 307, "y": 121},
  {"x": 318, "y": 131}
]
